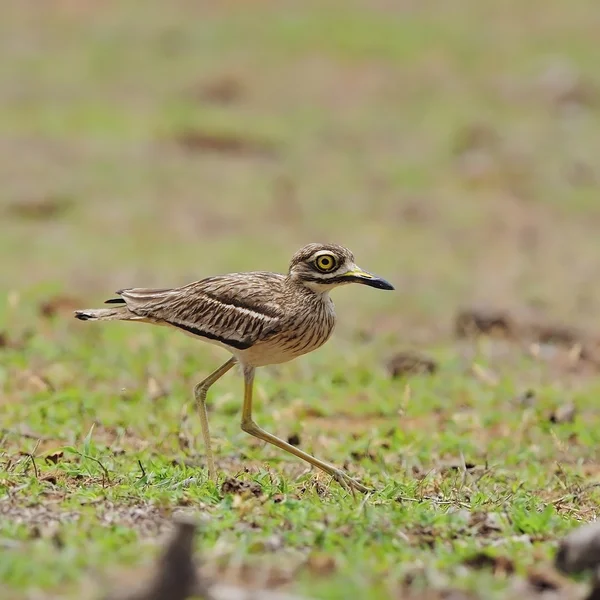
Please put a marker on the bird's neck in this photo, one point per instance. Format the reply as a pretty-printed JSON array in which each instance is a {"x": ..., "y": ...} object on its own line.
[{"x": 309, "y": 288}]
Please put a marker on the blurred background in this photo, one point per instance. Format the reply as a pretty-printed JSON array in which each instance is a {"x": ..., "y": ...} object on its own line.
[{"x": 452, "y": 146}]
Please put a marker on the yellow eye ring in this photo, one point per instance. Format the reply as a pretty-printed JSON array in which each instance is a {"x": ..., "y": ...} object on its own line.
[{"x": 326, "y": 263}]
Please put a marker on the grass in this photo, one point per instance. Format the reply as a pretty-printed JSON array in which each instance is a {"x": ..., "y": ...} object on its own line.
[{"x": 450, "y": 149}]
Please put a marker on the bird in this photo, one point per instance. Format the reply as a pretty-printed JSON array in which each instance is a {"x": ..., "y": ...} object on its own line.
[{"x": 262, "y": 318}]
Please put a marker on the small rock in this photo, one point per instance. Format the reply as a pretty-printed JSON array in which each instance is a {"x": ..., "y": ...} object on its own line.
[
  {"x": 294, "y": 439},
  {"x": 579, "y": 550},
  {"x": 239, "y": 487}
]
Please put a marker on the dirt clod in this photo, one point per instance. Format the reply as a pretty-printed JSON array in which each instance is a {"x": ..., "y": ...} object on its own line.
[
  {"x": 473, "y": 322},
  {"x": 236, "y": 486},
  {"x": 294, "y": 439},
  {"x": 544, "y": 580},
  {"x": 500, "y": 565},
  {"x": 486, "y": 523},
  {"x": 410, "y": 363}
]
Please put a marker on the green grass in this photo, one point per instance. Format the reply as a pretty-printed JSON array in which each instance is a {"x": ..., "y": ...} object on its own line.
[{"x": 366, "y": 109}]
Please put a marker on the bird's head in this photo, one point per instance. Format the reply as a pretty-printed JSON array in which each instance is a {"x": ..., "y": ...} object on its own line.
[{"x": 321, "y": 267}]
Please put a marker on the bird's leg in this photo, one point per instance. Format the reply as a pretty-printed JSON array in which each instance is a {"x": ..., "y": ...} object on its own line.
[
  {"x": 249, "y": 426},
  {"x": 200, "y": 392}
]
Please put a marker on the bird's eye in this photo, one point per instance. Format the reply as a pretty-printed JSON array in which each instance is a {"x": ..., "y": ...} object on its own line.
[{"x": 325, "y": 263}]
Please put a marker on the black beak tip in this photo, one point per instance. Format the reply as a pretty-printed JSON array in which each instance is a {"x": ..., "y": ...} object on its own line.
[
  {"x": 377, "y": 283},
  {"x": 382, "y": 284}
]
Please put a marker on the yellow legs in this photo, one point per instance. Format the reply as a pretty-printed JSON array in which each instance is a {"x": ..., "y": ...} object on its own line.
[
  {"x": 249, "y": 426},
  {"x": 200, "y": 392}
]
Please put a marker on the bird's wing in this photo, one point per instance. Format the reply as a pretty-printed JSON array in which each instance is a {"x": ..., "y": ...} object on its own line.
[{"x": 236, "y": 309}]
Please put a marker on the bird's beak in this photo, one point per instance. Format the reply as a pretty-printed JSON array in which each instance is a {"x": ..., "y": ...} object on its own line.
[{"x": 357, "y": 275}]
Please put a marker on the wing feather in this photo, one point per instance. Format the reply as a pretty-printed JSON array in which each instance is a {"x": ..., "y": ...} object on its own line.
[{"x": 237, "y": 309}]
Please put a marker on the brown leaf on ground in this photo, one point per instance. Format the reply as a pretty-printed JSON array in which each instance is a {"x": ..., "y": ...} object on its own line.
[
  {"x": 52, "y": 477},
  {"x": 54, "y": 457},
  {"x": 221, "y": 143},
  {"x": 236, "y": 486},
  {"x": 410, "y": 363}
]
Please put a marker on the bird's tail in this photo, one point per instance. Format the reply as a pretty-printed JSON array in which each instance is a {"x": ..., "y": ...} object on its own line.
[{"x": 122, "y": 313}]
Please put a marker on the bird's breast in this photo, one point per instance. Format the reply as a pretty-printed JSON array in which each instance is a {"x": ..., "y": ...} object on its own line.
[{"x": 305, "y": 330}]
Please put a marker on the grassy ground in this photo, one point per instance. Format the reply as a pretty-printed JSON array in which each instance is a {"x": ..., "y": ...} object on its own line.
[{"x": 453, "y": 146}]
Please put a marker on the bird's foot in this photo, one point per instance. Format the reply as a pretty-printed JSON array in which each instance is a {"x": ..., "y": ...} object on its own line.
[{"x": 349, "y": 484}]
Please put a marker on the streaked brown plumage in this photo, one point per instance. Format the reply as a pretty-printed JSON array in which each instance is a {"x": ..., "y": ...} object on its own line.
[{"x": 262, "y": 318}]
